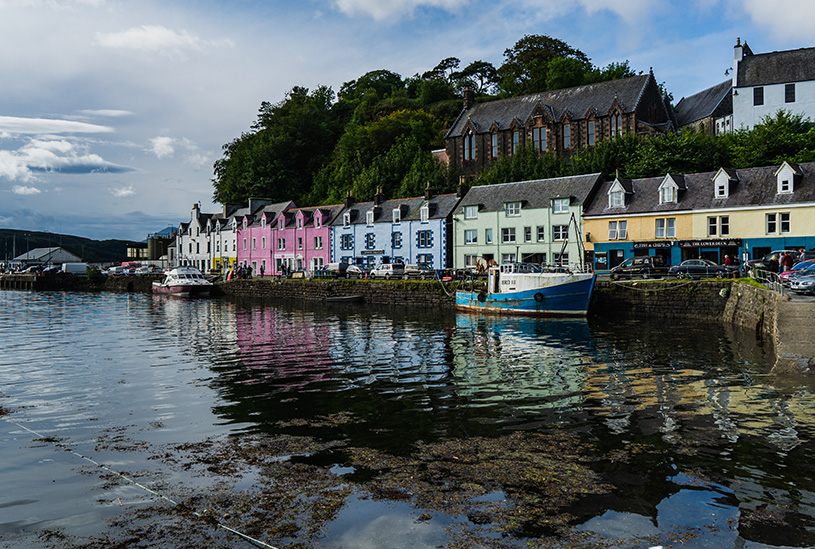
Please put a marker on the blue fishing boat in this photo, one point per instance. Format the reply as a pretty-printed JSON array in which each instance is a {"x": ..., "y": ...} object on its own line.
[{"x": 524, "y": 289}]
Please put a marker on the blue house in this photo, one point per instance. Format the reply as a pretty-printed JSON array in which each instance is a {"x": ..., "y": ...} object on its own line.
[{"x": 401, "y": 230}]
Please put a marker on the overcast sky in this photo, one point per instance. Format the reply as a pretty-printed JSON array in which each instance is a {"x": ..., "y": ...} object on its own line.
[{"x": 112, "y": 112}]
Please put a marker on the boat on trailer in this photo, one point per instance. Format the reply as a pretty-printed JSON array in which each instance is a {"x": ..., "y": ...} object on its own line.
[
  {"x": 183, "y": 281},
  {"x": 524, "y": 289}
]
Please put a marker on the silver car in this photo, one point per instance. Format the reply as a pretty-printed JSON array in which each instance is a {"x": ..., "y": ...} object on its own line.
[{"x": 803, "y": 285}]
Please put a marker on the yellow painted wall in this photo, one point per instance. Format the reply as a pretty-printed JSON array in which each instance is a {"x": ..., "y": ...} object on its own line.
[
  {"x": 642, "y": 228},
  {"x": 752, "y": 223}
]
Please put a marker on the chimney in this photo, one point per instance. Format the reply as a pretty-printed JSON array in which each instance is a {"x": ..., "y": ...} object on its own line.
[
  {"x": 427, "y": 194},
  {"x": 349, "y": 199},
  {"x": 469, "y": 98},
  {"x": 196, "y": 212},
  {"x": 461, "y": 188},
  {"x": 378, "y": 197}
]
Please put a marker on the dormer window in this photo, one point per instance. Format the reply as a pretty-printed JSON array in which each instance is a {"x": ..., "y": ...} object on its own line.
[
  {"x": 786, "y": 177},
  {"x": 470, "y": 212},
  {"x": 721, "y": 189},
  {"x": 560, "y": 205},
  {"x": 397, "y": 215},
  {"x": 425, "y": 213},
  {"x": 539, "y": 138},
  {"x": 318, "y": 222},
  {"x": 281, "y": 224},
  {"x": 667, "y": 195},
  {"x": 263, "y": 223},
  {"x": 513, "y": 209},
  {"x": 369, "y": 217},
  {"x": 299, "y": 222},
  {"x": 244, "y": 224},
  {"x": 346, "y": 219},
  {"x": 722, "y": 182},
  {"x": 616, "y": 199},
  {"x": 469, "y": 145}
]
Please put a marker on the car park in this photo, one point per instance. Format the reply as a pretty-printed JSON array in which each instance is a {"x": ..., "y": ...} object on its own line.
[
  {"x": 698, "y": 268},
  {"x": 420, "y": 271},
  {"x": 646, "y": 266},
  {"x": 388, "y": 271}
]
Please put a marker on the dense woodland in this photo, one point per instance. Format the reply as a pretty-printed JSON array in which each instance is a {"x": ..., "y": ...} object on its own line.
[
  {"x": 91, "y": 251},
  {"x": 315, "y": 146}
]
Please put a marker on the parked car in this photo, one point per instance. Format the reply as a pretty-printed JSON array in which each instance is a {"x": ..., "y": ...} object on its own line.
[
  {"x": 355, "y": 271},
  {"x": 691, "y": 268},
  {"x": 336, "y": 270},
  {"x": 804, "y": 271},
  {"x": 388, "y": 271},
  {"x": 784, "y": 277},
  {"x": 803, "y": 284},
  {"x": 774, "y": 257},
  {"x": 421, "y": 271},
  {"x": 645, "y": 266}
]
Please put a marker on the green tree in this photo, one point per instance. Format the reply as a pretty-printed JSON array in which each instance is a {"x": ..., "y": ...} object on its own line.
[
  {"x": 480, "y": 76},
  {"x": 526, "y": 64},
  {"x": 785, "y": 136},
  {"x": 613, "y": 71},
  {"x": 607, "y": 156},
  {"x": 565, "y": 72},
  {"x": 526, "y": 164},
  {"x": 686, "y": 152}
]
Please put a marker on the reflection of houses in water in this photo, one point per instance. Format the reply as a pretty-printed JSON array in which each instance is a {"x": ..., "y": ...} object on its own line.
[
  {"x": 200, "y": 325},
  {"x": 367, "y": 350},
  {"x": 528, "y": 362},
  {"x": 289, "y": 347}
]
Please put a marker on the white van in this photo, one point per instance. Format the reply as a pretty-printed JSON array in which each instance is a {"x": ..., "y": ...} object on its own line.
[{"x": 79, "y": 269}]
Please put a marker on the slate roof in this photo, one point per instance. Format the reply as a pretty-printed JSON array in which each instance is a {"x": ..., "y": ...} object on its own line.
[
  {"x": 703, "y": 104},
  {"x": 776, "y": 67},
  {"x": 755, "y": 187},
  {"x": 534, "y": 194},
  {"x": 576, "y": 101},
  {"x": 440, "y": 207}
]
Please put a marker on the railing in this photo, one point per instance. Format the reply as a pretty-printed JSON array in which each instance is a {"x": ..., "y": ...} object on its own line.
[{"x": 769, "y": 279}]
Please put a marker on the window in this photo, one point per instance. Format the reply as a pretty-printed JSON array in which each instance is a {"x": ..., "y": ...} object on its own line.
[
  {"x": 397, "y": 215},
  {"x": 616, "y": 124},
  {"x": 772, "y": 224},
  {"x": 758, "y": 96},
  {"x": 541, "y": 233},
  {"x": 508, "y": 235},
  {"x": 513, "y": 209},
  {"x": 667, "y": 194},
  {"x": 263, "y": 223},
  {"x": 370, "y": 241},
  {"x": 613, "y": 227},
  {"x": 281, "y": 243},
  {"x": 263, "y": 242},
  {"x": 562, "y": 260},
  {"x": 369, "y": 217},
  {"x": 527, "y": 234},
  {"x": 346, "y": 219},
  {"x": 615, "y": 199},
  {"x": 282, "y": 224},
  {"x": 426, "y": 259},
  {"x": 590, "y": 133},
  {"x": 721, "y": 190},
  {"x": 488, "y": 236},
  {"x": 470, "y": 212},
  {"x": 539, "y": 138},
  {"x": 471, "y": 236},
  {"x": 712, "y": 226},
  {"x": 516, "y": 141},
  {"x": 318, "y": 242},
  {"x": 424, "y": 239},
  {"x": 494, "y": 145},
  {"x": 660, "y": 230},
  {"x": 425, "y": 213},
  {"x": 470, "y": 260},
  {"x": 789, "y": 93},
  {"x": 318, "y": 222},
  {"x": 784, "y": 221},
  {"x": 560, "y": 232},
  {"x": 670, "y": 227},
  {"x": 724, "y": 225},
  {"x": 396, "y": 240},
  {"x": 347, "y": 242},
  {"x": 560, "y": 205},
  {"x": 469, "y": 145},
  {"x": 299, "y": 242},
  {"x": 299, "y": 222},
  {"x": 244, "y": 243},
  {"x": 567, "y": 136},
  {"x": 254, "y": 243},
  {"x": 507, "y": 258},
  {"x": 784, "y": 186}
]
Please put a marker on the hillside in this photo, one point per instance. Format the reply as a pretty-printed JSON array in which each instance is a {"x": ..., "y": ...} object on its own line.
[{"x": 91, "y": 251}]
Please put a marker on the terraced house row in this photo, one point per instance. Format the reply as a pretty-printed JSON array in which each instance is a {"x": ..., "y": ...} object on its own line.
[{"x": 563, "y": 221}]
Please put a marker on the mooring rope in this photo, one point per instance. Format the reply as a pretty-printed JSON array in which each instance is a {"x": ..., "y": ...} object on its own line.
[{"x": 61, "y": 446}]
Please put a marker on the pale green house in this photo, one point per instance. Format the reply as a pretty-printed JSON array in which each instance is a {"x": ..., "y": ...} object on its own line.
[{"x": 525, "y": 221}]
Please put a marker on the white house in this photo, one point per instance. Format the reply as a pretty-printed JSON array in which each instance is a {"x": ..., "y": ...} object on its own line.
[{"x": 765, "y": 83}]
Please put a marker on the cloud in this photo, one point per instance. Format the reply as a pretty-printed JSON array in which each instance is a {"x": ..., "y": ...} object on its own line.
[
  {"x": 12, "y": 125},
  {"x": 156, "y": 39},
  {"x": 123, "y": 192},
  {"x": 165, "y": 147},
  {"x": 52, "y": 156},
  {"x": 388, "y": 9},
  {"x": 110, "y": 113},
  {"x": 793, "y": 23},
  {"x": 19, "y": 189},
  {"x": 162, "y": 147}
]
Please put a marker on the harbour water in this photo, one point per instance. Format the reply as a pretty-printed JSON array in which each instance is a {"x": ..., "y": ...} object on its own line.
[{"x": 154, "y": 421}]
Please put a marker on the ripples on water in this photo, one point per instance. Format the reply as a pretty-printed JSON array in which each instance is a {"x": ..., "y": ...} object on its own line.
[{"x": 735, "y": 462}]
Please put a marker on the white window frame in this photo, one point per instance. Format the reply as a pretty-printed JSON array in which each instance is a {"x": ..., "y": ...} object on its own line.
[
  {"x": 560, "y": 205},
  {"x": 424, "y": 213},
  {"x": 508, "y": 235},
  {"x": 470, "y": 237},
  {"x": 369, "y": 218},
  {"x": 488, "y": 236},
  {"x": 540, "y": 233},
  {"x": 397, "y": 215},
  {"x": 346, "y": 219},
  {"x": 560, "y": 232},
  {"x": 513, "y": 209},
  {"x": 470, "y": 212},
  {"x": 616, "y": 199}
]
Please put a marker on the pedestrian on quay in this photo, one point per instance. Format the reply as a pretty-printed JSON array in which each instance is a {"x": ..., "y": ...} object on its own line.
[{"x": 786, "y": 262}]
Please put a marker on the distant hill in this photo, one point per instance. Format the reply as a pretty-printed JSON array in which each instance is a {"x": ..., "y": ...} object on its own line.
[{"x": 91, "y": 251}]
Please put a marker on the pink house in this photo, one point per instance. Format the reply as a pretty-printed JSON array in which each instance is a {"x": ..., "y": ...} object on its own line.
[
  {"x": 256, "y": 238},
  {"x": 303, "y": 239}
]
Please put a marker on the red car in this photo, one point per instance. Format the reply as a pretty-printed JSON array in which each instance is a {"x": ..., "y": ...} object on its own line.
[{"x": 808, "y": 265}]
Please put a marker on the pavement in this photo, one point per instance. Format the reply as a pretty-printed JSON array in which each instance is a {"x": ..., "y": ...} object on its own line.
[{"x": 795, "y": 335}]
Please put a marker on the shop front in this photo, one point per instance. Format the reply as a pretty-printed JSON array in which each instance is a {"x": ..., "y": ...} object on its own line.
[{"x": 715, "y": 250}]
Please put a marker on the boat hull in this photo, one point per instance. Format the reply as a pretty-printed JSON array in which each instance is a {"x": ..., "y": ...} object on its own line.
[{"x": 566, "y": 299}]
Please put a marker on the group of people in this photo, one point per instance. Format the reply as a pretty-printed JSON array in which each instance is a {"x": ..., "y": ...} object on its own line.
[
  {"x": 785, "y": 262},
  {"x": 240, "y": 271}
]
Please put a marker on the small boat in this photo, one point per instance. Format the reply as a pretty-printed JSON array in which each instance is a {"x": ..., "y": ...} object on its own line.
[
  {"x": 524, "y": 289},
  {"x": 344, "y": 299},
  {"x": 183, "y": 281}
]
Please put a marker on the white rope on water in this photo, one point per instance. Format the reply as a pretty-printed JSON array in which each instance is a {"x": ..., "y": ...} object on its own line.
[{"x": 58, "y": 444}]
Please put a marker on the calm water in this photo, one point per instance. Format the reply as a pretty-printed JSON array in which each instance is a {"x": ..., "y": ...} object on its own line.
[{"x": 718, "y": 452}]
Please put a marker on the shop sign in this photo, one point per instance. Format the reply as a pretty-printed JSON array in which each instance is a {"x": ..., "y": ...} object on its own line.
[
  {"x": 654, "y": 244},
  {"x": 372, "y": 252},
  {"x": 713, "y": 243}
]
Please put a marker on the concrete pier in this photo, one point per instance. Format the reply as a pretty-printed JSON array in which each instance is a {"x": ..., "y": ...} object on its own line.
[{"x": 795, "y": 337}]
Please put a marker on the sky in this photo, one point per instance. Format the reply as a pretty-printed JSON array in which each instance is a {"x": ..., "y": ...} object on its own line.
[{"x": 112, "y": 112}]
